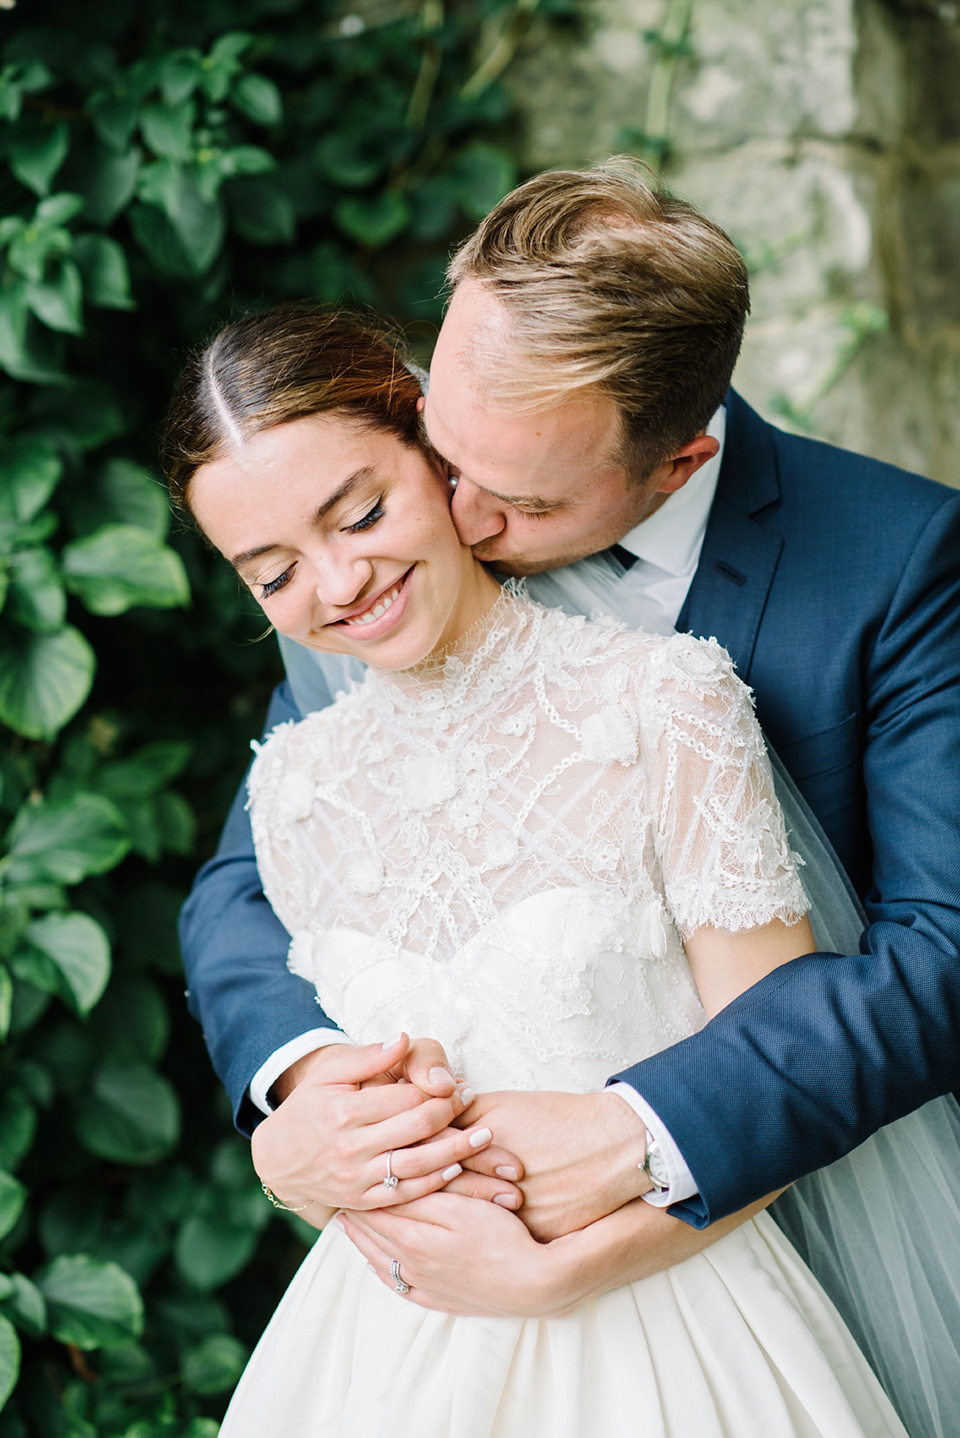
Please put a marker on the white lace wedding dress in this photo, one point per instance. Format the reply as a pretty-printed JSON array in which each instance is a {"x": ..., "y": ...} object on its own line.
[{"x": 504, "y": 851}]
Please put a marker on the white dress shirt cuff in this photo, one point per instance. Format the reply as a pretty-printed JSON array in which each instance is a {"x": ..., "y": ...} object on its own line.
[
  {"x": 681, "y": 1182},
  {"x": 279, "y": 1061}
]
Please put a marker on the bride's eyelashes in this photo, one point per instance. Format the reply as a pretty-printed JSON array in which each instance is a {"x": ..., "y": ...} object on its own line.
[
  {"x": 272, "y": 585},
  {"x": 368, "y": 520}
]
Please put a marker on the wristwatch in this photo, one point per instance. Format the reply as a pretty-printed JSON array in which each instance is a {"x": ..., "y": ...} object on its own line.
[{"x": 654, "y": 1165}]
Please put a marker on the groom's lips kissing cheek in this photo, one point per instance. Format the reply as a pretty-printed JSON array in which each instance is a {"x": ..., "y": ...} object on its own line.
[{"x": 379, "y": 614}]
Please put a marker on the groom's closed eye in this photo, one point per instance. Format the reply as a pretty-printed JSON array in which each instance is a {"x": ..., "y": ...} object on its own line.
[{"x": 523, "y": 504}]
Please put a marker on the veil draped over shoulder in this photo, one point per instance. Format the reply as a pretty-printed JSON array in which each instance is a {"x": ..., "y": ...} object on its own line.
[{"x": 881, "y": 1227}]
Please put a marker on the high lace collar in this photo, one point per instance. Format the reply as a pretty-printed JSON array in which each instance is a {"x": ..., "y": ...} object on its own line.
[{"x": 458, "y": 680}]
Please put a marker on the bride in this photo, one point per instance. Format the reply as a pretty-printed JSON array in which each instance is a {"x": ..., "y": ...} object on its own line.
[{"x": 547, "y": 842}]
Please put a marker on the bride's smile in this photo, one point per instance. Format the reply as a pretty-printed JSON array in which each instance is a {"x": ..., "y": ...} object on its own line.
[{"x": 343, "y": 534}]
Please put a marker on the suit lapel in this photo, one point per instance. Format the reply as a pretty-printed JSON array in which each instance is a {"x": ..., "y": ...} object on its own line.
[{"x": 739, "y": 558}]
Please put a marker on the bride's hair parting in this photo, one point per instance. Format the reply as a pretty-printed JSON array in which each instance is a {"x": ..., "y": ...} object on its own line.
[
  {"x": 609, "y": 283},
  {"x": 282, "y": 365}
]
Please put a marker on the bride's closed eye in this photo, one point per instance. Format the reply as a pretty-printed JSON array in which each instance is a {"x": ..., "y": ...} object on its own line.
[
  {"x": 368, "y": 520},
  {"x": 272, "y": 585}
]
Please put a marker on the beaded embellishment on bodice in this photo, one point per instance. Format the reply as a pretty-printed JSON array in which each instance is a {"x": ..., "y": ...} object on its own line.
[{"x": 504, "y": 846}]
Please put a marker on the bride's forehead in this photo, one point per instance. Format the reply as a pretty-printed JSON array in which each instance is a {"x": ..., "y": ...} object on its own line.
[{"x": 318, "y": 451}]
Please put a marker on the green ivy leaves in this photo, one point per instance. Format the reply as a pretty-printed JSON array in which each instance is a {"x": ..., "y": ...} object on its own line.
[
  {"x": 12, "y": 1198},
  {"x": 63, "y": 840},
  {"x": 43, "y": 681},
  {"x": 185, "y": 172},
  {"x": 36, "y": 154},
  {"x": 121, "y": 565},
  {"x": 65, "y": 954},
  {"x": 90, "y": 1304},
  {"x": 46, "y": 665},
  {"x": 131, "y": 1114},
  {"x": 9, "y": 1359}
]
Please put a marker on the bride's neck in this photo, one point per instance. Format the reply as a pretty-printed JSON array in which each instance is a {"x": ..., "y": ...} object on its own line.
[{"x": 479, "y": 592}]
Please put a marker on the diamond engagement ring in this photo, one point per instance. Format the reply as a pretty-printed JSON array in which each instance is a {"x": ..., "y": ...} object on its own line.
[
  {"x": 391, "y": 1179},
  {"x": 398, "y": 1284}
]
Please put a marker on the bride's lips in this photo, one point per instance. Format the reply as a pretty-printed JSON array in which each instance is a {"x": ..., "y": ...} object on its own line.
[{"x": 377, "y": 628}]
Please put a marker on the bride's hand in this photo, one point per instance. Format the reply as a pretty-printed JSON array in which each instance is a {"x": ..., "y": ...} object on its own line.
[
  {"x": 459, "y": 1256},
  {"x": 326, "y": 1145},
  {"x": 472, "y": 1259}
]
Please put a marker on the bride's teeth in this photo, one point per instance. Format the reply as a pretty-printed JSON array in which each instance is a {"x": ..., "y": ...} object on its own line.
[{"x": 381, "y": 607}]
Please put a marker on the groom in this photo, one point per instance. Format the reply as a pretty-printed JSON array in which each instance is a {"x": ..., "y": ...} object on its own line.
[{"x": 579, "y": 392}]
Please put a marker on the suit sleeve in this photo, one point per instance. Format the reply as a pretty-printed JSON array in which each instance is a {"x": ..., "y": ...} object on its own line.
[
  {"x": 235, "y": 956},
  {"x": 816, "y": 1057}
]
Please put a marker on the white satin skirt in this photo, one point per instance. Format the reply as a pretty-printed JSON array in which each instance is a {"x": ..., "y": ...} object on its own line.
[{"x": 739, "y": 1341}]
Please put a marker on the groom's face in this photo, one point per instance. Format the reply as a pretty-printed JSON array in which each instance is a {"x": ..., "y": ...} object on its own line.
[{"x": 534, "y": 489}]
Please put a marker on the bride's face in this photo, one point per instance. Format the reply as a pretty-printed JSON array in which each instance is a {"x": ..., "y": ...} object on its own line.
[{"x": 344, "y": 536}]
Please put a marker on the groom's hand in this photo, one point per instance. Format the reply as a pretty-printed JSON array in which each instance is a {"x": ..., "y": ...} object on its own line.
[
  {"x": 342, "y": 1110},
  {"x": 580, "y": 1154}
]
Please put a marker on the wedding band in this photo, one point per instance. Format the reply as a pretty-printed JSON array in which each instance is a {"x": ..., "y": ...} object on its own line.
[
  {"x": 398, "y": 1284},
  {"x": 391, "y": 1179}
]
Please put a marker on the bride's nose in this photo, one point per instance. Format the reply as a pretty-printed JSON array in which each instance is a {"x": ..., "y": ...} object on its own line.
[{"x": 341, "y": 580}]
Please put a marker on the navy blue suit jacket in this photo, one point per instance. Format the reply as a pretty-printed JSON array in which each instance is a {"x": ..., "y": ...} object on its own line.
[{"x": 834, "y": 582}]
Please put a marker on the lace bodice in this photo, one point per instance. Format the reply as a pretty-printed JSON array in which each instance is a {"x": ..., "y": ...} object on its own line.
[{"x": 504, "y": 848}]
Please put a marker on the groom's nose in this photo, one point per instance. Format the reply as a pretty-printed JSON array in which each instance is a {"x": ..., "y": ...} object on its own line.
[{"x": 477, "y": 514}]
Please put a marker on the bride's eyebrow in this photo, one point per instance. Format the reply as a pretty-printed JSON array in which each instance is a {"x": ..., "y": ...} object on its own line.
[{"x": 359, "y": 476}]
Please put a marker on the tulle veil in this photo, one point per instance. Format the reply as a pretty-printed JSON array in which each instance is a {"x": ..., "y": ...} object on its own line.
[{"x": 881, "y": 1227}]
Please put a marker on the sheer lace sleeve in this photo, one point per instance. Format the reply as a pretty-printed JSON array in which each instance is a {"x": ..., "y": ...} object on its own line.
[{"x": 719, "y": 833}]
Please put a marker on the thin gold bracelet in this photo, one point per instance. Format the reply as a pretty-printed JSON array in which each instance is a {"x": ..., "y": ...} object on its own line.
[{"x": 287, "y": 1208}]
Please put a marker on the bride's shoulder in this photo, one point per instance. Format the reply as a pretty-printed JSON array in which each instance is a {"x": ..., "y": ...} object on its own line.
[
  {"x": 654, "y": 670},
  {"x": 652, "y": 658},
  {"x": 300, "y": 746}
]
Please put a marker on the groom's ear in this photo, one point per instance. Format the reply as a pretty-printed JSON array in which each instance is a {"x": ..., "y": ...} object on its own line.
[{"x": 673, "y": 473}]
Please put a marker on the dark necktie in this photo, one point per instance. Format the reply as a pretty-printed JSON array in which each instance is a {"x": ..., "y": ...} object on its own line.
[{"x": 622, "y": 556}]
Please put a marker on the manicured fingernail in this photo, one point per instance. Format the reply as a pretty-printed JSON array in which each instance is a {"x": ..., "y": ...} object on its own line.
[
  {"x": 440, "y": 1075},
  {"x": 505, "y": 1172},
  {"x": 507, "y": 1200},
  {"x": 340, "y": 1224},
  {"x": 392, "y": 1043},
  {"x": 482, "y": 1136},
  {"x": 467, "y": 1097},
  {"x": 451, "y": 1172}
]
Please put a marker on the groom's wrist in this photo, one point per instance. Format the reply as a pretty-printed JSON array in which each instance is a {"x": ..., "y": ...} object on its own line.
[
  {"x": 262, "y": 1089},
  {"x": 676, "y": 1182},
  {"x": 627, "y": 1147},
  {"x": 311, "y": 1065}
]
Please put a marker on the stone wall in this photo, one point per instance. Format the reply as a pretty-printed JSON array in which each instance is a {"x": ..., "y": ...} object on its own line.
[{"x": 825, "y": 136}]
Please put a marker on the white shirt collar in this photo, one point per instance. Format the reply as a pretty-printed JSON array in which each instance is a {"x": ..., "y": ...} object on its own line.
[{"x": 672, "y": 537}]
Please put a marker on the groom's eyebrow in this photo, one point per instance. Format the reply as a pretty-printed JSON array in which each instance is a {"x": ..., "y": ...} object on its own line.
[
  {"x": 359, "y": 476},
  {"x": 525, "y": 501}
]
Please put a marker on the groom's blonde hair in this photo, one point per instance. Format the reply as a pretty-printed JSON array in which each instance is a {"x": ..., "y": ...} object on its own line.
[{"x": 611, "y": 284}]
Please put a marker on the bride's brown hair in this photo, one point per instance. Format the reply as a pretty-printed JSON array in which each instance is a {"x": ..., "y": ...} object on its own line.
[{"x": 279, "y": 366}]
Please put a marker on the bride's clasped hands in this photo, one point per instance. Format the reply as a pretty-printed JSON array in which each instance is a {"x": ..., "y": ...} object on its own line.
[{"x": 345, "y": 1113}]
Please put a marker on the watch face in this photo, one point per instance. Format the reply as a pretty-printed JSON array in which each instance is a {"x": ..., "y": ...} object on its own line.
[{"x": 657, "y": 1167}]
